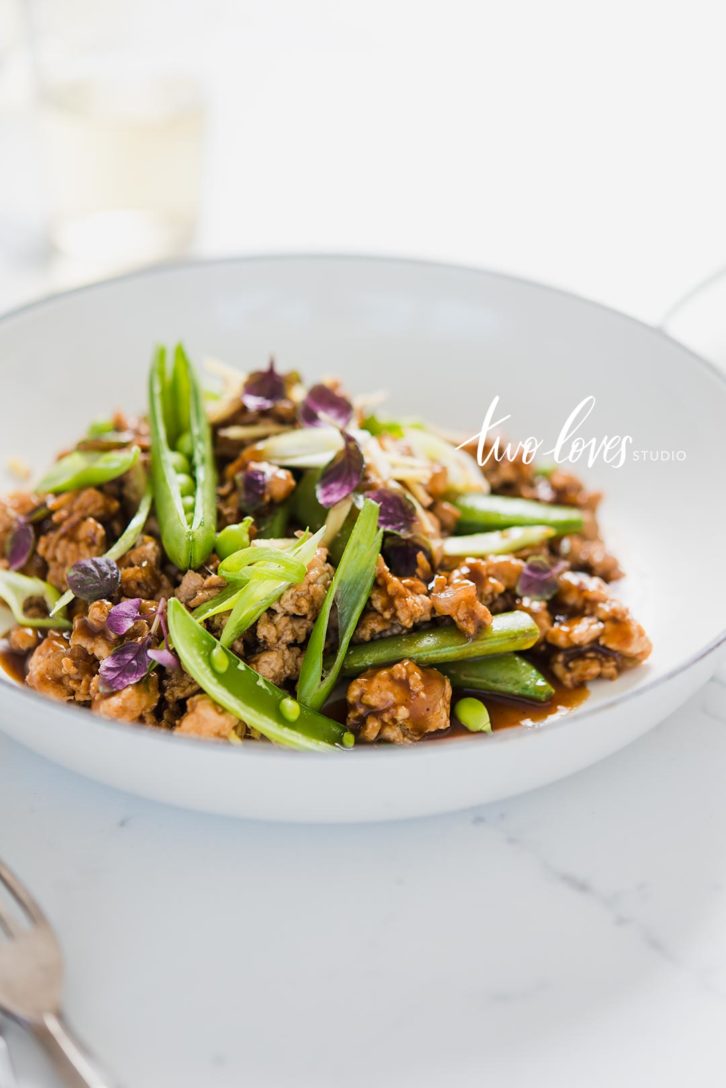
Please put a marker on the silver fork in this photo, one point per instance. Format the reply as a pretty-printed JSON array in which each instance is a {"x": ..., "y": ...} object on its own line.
[
  {"x": 7, "y": 1072},
  {"x": 31, "y": 970}
]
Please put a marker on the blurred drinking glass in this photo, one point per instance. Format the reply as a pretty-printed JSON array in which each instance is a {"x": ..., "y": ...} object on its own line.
[{"x": 122, "y": 120}]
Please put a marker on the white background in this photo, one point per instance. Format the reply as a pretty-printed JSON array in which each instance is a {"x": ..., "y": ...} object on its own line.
[
  {"x": 572, "y": 937},
  {"x": 576, "y": 142}
]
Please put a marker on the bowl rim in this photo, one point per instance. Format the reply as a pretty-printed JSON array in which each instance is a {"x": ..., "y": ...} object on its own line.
[{"x": 370, "y": 753}]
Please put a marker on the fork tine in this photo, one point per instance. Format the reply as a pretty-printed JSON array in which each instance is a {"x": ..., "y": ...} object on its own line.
[
  {"x": 21, "y": 895},
  {"x": 9, "y": 927}
]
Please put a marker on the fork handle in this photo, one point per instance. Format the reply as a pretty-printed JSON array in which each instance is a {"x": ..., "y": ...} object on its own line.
[{"x": 68, "y": 1055}]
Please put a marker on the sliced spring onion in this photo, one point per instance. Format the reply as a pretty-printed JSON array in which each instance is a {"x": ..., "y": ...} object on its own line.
[
  {"x": 16, "y": 589},
  {"x": 124, "y": 544},
  {"x": 346, "y": 598},
  {"x": 87, "y": 468}
]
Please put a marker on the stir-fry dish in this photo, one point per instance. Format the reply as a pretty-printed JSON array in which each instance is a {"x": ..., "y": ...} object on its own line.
[{"x": 276, "y": 562}]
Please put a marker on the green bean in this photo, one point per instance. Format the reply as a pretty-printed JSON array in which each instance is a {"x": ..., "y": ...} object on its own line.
[
  {"x": 508, "y": 631},
  {"x": 246, "y": 694},
  {"x": 16, "y": 589},
  {"x": 345, "y": 600},
  {"x": 232, "y": 538},
  {"x": 124, "y": 544},
  {"x": 87, "y": 468},
  {"x": 501, "y": 511},
  {"x": 507, "y": 674},
  {"x": 179, "y": 426},
  {"x": 498, "y": 542}
]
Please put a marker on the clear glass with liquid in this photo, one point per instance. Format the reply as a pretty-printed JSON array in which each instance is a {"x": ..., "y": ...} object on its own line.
[
  {"x": 122, "y": 125},
  {"x": 124, "y": 164}
]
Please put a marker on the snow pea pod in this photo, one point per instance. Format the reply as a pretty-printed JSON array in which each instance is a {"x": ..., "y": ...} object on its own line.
[
  {"x": 244, "y": 693},
  {"x": 182, "y": 461},
  {"x": 87, "y": 468}
]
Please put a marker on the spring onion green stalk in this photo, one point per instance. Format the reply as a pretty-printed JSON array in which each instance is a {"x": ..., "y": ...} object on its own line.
[
  {"x": 498, "y": 542},
  {"x": 124, "y": 544},
  {"x": 87, "y": 468},
  {"x": 305, "y": 506},
  {"x": 507, "y": 674},
  {"x": 501, "y": 511},
  {"x": 345, "y": 600},
  {"x": 246, "y": 694},
  {"x": 16, "y": 589},
  {"x": 264, "y": 586},
  {"x": 473, "y": 715},
  {"x": 182, "y": 461},
  {"x": 508, "y": 631},
  {"x": 243, "y": 565},
  {"x": 274, "y": 523}
]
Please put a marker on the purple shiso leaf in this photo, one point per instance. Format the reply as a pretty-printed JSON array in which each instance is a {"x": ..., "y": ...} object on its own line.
[
  {"x": 342, "y": 475},
  {"x": 92, "y": 579},
  {"x": 396, "y": 514},
  {"x": 20, "y": 545},
  {"x": 539, "y": 578},
  {"x": 126, "y": 665},
  {"x": 253, "y": 483},
  {"x": 401, "y": 555},
  {"x": 323, "y": 406},
  {"x": 263, "y": 388},
  {"x": 123, "y": 616},
  {"x": 164, "y": 657}
]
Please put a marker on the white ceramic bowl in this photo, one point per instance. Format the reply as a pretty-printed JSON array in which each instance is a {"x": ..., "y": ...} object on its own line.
[{"x": 443, "y": 341}]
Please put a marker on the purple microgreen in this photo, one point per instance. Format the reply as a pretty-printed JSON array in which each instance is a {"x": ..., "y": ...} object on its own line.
[
  {"x": 123, "y": 616},
  {"x": 20, "y": 545},
  {"x": 263, "y": 388},
  {"x": 402, "y": 555},
  {"x": 323, "y": 405},
  {"x": 539, "y": 578},
  {"x": 252, "y": 484},
  {"x": 92, "y": 579},
  {"x": 341, "y": 476},
  {"x": 164, "y": 657},
  {"x": 126, "y": 665},
  {"x": 397, "y": 513}
]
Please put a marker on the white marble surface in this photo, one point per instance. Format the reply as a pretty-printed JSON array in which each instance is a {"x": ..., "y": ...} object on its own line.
[{"x": 576, "y": 935}]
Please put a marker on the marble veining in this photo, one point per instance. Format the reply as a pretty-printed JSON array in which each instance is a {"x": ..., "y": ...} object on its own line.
[{"x": 576, "y": 935}]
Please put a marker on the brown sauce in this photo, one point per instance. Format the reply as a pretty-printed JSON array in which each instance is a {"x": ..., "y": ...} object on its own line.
[
  {"x": 13, "y": 665},
  {"x": 504, "y": 712}
]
